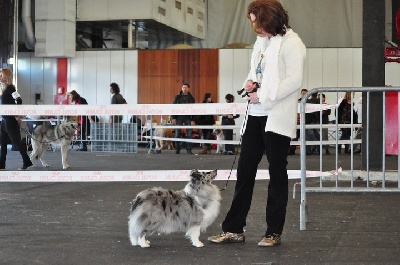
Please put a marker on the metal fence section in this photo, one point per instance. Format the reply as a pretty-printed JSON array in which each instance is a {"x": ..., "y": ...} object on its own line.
[
  {"x": 341, "y": 181},
  {"x": 116, "y": 138},
  {"x": 98, "y": 131}
]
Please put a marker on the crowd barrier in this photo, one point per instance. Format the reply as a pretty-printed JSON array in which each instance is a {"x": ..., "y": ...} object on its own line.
[{"x": 371, "y": 178}]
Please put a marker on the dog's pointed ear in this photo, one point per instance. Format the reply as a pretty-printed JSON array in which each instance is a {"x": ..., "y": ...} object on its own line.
[{"x": 210, "y": 176}]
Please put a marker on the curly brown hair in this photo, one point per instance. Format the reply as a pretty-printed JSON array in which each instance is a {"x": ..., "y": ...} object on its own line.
[{"x": 270, "y": 16}]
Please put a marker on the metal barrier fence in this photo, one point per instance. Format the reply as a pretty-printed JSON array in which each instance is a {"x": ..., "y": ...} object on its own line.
[
  {"x": 115, "y": 138},
  {"x": 331, "y": 184}
]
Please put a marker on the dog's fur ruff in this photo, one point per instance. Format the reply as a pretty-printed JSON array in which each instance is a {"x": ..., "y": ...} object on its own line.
[
  {"x": 190, "y": 210},
  {"x": 164, "y": 132},
  {"x": 47, "y": 134},
  {"x": 220, "y": 137}
]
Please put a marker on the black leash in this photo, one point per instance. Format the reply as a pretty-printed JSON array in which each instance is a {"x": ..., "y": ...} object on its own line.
[{"x": 240, "y": 143}]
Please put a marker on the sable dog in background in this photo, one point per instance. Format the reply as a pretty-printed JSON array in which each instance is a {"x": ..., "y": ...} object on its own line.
[
  {"x": 190, "y": 210},
  {"x": 164, "y": 132}
]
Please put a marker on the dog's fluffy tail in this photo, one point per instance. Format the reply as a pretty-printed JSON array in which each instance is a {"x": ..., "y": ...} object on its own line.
[{"x": 135, "y": 226}]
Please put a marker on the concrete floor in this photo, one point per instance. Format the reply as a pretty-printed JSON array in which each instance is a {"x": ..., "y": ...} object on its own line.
[{"x": 86, "y": 223}]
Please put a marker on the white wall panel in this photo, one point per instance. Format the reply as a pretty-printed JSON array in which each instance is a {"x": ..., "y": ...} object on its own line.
[
  {"x": 117, "y": 72},
  {"x": 76, "y": 74},
  {"x": 329, "y": 67},
  {"x": 225, "y": 70},
  {"x": 357, "y": 67},
  {"x": 345, "y": 67},
  {"x": 241, "y": 68},
  {"x": 131, "y": 76},
  {"x": 103, "y": 77},
  {"x": 314, "y": 58},
  {"x": 392, "y": 76},
  {"x": 49, "y": 80},
  {"x": 24, "y": 76},
  {"x": 37, "y": 74},
  {"x": 89, "y": 77},
  {"x": 304, "y": 84}
]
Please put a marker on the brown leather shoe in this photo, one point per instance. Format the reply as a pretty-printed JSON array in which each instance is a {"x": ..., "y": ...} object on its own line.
[
  {"x": 227, "y": 237},
  {"x": 270, "y": 241}
]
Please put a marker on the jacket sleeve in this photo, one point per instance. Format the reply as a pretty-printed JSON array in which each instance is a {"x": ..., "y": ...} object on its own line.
[{"x": 293, "y": 56}]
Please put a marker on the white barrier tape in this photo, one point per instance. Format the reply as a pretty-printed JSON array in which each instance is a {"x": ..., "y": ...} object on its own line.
[
  {"x": 324, "y": 126},
  {"x": 138, "y": 109},
  {"x": 108, "y": 176},
  {"x": 192, "y": 140},
  {"x": 225, "y": 127},
  {"x": 125, "y": 109},
  {"x": 323, "y": 142},
  {"x": 316, "y": 107},
  {"x": 328, "y": 142}
]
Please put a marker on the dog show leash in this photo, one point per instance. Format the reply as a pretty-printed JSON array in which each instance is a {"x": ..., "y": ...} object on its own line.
[{"x": 244, "y": 124}]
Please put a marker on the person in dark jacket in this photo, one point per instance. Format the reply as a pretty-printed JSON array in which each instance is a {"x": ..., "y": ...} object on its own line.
[
  {"x": 206, "y": 120},
  {"x": 325, "y": 120},
  {"x": 83, "y": 121},
  {"x": 229, "y": 119},
  {"x": 184, "y": 97},
  {"x": 117, "y": 98},
  {"x": 312, "y": 134},
  {"x": 10, "y": 129},
  {"x": 344, "y": 117}
]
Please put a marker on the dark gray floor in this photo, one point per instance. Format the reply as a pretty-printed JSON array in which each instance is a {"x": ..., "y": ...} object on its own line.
[{"x": 86, "y": 223}]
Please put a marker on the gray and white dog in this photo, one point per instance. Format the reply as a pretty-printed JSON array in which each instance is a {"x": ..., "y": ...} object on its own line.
[
  {"x": 47, "y": 134},
  {"x": 190, "y": 210}
]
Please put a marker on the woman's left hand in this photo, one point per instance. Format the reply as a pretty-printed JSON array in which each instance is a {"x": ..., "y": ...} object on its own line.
[{"x": 253, "y": 98}]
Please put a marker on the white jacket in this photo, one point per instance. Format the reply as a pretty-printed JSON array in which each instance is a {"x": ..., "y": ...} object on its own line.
[{"x": 279, "y": 90}]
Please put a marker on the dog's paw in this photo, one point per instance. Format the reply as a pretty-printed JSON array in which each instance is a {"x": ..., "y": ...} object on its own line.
[
  {"x": 45, "y": 165},
  {"x": 198, "y": 244},
  {"x": 66, "y": 166},
  {"x": 145, "y": 244}
]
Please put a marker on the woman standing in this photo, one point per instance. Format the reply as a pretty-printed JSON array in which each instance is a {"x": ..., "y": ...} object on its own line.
[
  {"x": 83, "y": 121},
  {"x": 229, "y": 119},
  {"x": 276, "y": 69},
  {"x": 10, "y": 124},
  {"x": 117, "y": 98},
  {"x": 206, "y": 120},
  {"x": 344, "y": 117}
]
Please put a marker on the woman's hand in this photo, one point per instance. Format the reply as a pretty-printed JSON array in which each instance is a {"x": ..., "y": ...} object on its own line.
[
  {"x": 253, "y": 98},
  {"x": 250, "y": 86}
]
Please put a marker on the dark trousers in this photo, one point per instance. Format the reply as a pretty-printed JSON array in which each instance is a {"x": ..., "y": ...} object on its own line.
[
  {"x": 346, "y": 134},
  {"x": 228, "y": 134},
  {"x": 10, "y": 130},
  {"x": 255, "y": 143},
  {"x": 85, "y": 131},
  {"x": 180, "y": 120}
]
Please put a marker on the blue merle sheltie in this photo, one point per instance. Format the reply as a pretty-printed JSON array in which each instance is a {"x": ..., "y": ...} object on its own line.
[{"x": 190, "y": 210}]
